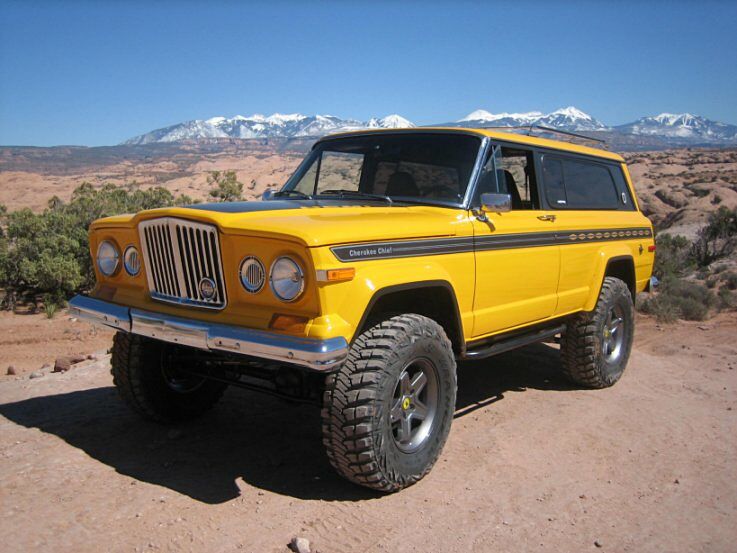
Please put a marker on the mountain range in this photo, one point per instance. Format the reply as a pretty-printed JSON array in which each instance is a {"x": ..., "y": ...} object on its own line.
[
  {"x": 666, "y": 128},
  {"x": 294, "y": 125}
]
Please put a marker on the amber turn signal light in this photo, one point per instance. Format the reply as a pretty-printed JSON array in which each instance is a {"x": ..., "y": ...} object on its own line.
[
  {"x": 288, "y": 323},
  {"x": 336, "y": 275}
]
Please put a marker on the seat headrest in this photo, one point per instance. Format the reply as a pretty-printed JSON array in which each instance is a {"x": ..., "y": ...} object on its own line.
[{"x": 402, "y": 183}]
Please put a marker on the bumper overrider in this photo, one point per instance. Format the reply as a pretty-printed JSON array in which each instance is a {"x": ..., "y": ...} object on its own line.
[{"x": 319, "y": 355}]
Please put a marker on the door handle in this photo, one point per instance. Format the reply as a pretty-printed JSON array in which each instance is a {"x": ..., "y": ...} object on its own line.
[{"x": 550, "y": 218}]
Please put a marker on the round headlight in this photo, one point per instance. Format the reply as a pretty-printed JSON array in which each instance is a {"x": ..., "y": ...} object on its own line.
[
  {"x": 253, "y": 274},
  {"x": 132, "y": 261},
  {"x": 287, "y": 279},
  {"x": 108, "y": 258}
]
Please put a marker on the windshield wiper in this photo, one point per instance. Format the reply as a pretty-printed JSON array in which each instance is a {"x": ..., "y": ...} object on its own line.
[
  {"x": 297, "y": 193},
  {"x": 356, "y": 194}
]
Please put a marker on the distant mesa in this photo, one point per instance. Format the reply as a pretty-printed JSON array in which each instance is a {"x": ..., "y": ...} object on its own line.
[{"x": 666, "y": 129}]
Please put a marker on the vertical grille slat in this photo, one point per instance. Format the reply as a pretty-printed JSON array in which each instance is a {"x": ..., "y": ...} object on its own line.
[
  {"x": 201, "y": 254},
  {"x": 162, "y": 262},
  {"x": 157, "y": 264},
  {"x": 167, "y": 262},
  {"x": 189, "y": 257},
  {"x": 178, "y": 255},
  {"x": 187, "y": 283},
  {"x": 153, "y": 267},
  {"x": 166, "y": 289},
  {"x": 195, "y": 256},
  {"x": 208, "y": 259},
  {"x": 170, "y": 270},
  {"x": 172, "y": 266},
  {"x": 216, "y": 263}
]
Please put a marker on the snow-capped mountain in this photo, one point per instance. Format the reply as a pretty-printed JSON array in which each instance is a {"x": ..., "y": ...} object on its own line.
[
  {"x": 683, "y": 126},
  {"x": 293, "y": 125},
  {"x": 653, "y": 131},
  {"x": 501, "y": 119},
  {"x": 567, "y": 119},
  {"x": 393, "y": 121}
]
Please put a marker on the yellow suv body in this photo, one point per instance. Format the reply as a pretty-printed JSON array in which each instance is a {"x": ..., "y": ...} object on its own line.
[{"x": 497, "y": 238}]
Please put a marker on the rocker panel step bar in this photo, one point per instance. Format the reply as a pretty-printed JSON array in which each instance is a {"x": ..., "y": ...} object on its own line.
[{"x": 513, "y": 342}]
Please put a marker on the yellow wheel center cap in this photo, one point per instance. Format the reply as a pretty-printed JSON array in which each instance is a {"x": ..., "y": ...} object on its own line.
[{"x": 405, "y": 403}]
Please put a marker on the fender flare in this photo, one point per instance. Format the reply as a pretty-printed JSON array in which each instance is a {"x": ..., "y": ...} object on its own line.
[
  {"x": 601, "y": 271},
  {"x": 418, "y": 285}
]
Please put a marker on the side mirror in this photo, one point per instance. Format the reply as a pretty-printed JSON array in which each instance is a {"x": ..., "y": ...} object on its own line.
[
  {"x": 267, "y": 195},
  {"x": 496, "y": 203}
]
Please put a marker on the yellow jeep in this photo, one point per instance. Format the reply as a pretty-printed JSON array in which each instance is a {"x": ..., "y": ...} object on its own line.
[{"x": 386, "y": 257}]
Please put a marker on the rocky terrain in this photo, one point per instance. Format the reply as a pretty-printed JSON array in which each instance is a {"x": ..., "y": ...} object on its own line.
[
  {"x": 677, "y": 187},
  {"x": 531, "y": 463},
  {"x": 30, "y": 177}
]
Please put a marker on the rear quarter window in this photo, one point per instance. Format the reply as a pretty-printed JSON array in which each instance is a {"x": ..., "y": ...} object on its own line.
[{"x": 580, "y": 184}]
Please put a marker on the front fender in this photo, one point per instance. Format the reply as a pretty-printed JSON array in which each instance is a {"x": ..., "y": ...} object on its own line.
[{"x": 344, "y": 304}]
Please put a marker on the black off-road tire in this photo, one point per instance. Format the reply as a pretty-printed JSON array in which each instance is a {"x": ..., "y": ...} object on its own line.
[
  {"x": 582, "y": 344},
  {"x": 356, "y": 415},
  {"x": 138, "y": 376}
]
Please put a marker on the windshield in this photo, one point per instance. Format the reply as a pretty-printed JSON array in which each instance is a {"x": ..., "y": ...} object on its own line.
[{"x": 417, "y": 168}]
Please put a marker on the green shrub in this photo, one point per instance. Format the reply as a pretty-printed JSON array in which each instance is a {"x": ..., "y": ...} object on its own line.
[
  {"x": 227, "y": 188},
  {"x": 717, "y": 239},
  {"x": 672, "y": 256},
  {"x": 702, "y": 274},
  {"x": 664, "y": 310},
  {"x": 50, "y": 310},
  {"x": 727, "y": 299},
  {"x": 692, "y": 310},
  {"x": 680, "y": 299},
  {"x": 47, "y": 254},
  {"x": 729, "y": 279}
]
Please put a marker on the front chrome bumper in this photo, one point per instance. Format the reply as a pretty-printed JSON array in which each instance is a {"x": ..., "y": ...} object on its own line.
[{"x": 319, "y": 355}]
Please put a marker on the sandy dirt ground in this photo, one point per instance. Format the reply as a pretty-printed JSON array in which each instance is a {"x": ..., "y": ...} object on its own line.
[
  {"x": 531, "y": 463},
  {"x": 30, "y": 341}
]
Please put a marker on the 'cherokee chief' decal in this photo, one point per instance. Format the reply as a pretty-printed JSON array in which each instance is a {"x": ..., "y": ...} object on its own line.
[{"x": 440, "y": 246}]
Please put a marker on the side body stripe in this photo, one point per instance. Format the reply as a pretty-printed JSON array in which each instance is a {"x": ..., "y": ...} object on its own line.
[{"x": 441, "y": 246}]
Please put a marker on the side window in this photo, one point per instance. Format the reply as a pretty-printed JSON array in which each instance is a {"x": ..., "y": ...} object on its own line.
[
  {"x": 510, "y": 171},
  {"x": 589, "y": 186},
  {"x": 553, "y": 179},
  {"x": 625, "y": 198},
  {"x": 575, "y": 184}
]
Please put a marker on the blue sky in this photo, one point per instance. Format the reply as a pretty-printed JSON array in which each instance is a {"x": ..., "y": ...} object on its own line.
[{"x": 97, "y": 73}]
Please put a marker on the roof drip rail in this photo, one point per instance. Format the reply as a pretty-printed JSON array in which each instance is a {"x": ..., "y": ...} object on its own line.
[{"x": 542, "y": 129}]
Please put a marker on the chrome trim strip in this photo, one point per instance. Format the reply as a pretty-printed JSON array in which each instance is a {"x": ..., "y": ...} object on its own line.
[{"x": 318, "y": 355}]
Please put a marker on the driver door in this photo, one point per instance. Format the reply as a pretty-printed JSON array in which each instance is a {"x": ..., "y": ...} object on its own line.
[{"x": 517, "y": 260}]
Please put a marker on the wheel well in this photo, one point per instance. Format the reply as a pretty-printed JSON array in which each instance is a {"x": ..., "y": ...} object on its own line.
[
  {"x": 623, "y": 268},
  {"x": 435, "y": 301}
]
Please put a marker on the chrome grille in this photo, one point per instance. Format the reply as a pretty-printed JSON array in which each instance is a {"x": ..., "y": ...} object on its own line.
[{"x": 179, "y": 256}]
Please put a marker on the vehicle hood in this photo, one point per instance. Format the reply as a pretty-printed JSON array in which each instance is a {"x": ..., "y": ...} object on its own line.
[{"x": 314, "y": 222}]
